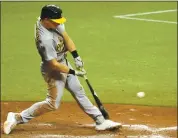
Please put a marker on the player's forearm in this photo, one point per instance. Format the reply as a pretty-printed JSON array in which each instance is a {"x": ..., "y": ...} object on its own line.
[
  {"x": 54, "y": 65},
  {"x": 64, "y": 69},
  {"x": 68, "y": 42},
  {"x": 70, "y": 45},
  {"x": 72, "y": 49},
  {"x": 61, "y": 68}
]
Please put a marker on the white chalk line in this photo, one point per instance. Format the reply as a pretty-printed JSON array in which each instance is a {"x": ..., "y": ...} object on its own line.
[
  {"x": 130, "y": 16},
  {"x": 148, "y": 20},
  {"x": 139, "y": 127},
  {"x": 150, "y": 129},
  {"x": 147, "y": 13}
]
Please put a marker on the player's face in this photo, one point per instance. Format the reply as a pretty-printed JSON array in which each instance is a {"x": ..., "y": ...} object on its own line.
[
  {"x": 54, "y": 25},
  {"x": 50, "y": 24}
]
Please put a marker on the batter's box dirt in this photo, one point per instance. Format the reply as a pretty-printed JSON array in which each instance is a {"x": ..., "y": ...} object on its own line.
[{"x": 138, "y": 121}]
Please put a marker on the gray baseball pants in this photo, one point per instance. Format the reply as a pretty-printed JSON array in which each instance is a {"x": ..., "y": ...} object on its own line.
[{"x": 56, "y": 83}]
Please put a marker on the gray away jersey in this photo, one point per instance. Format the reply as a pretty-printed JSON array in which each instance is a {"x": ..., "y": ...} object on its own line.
[{"x": 50, "y": 43}]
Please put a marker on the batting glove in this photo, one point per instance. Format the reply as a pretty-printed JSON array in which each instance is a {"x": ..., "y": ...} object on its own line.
[
  {"x": 80, "y": 73},
  {"x": 78, "y": 62}
]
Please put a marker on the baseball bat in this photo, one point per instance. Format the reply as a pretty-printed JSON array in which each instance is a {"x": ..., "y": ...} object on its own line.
[{"x": 97, "y": 100}]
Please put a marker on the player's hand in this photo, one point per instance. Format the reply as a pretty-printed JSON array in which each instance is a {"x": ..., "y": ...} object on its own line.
[
  {"x": 78, "y": 62},
  {"x": 80, "y": 73}
]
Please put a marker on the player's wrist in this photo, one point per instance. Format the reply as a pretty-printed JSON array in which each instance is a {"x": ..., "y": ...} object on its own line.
[{"x": 75, "y": 54}]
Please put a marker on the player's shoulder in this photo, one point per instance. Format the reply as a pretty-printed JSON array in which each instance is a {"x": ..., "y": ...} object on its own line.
[{"x": 61, "y": 28}]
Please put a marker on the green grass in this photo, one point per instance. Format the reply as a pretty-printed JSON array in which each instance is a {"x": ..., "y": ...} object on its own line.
[{"x": 122, "y": 57}]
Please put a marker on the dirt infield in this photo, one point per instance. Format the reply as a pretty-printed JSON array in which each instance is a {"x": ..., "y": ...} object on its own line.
[{"x": 70, "y": 122}]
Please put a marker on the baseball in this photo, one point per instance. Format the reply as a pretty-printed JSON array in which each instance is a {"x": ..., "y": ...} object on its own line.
[{"x": 140, "y": 94}]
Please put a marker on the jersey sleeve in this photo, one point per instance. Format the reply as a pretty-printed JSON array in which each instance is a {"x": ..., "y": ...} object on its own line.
[
  {"x": 61, "y": 28},
  {"x": 48, "y": 51}
]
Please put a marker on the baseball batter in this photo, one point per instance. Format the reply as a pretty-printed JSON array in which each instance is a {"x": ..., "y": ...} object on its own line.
[{"x": 53, "y": 43}]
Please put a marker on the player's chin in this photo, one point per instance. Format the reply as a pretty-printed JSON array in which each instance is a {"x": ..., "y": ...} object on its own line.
[{"x": 53, "y": 28}]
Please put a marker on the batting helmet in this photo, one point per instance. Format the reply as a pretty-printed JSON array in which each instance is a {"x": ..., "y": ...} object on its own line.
[{"x": 53, "y": 13}]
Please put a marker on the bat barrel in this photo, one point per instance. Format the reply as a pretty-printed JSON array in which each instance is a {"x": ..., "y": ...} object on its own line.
[{"x": 97, "y": 100}]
